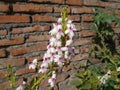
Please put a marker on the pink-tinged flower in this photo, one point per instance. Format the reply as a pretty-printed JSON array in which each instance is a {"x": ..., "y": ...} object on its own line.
[
  {"x": 43, "y": 68},
  {"x": 64, "y": 48},
  {"x": 59, "y": 60},
  {"x": 59, "y": 33},
  {"x": 70, "y": 30},
  {"x": 21, "y": 86},
  {"x": 68, "y": 42},
  {"x": 52, "y": 80},
  {"x": 33, "y": 64}
]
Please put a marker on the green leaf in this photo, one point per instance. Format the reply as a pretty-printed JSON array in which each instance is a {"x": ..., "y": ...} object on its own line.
[
  {"x": 94, "y": 27},
  {"x": 76, "y": 82},
  {"x": 86, "y": 86}
]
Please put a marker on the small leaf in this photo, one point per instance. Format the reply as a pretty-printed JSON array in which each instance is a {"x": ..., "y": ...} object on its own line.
[
  {"x": 76, "y": 82},
  {"x": 94, "y": 27}
]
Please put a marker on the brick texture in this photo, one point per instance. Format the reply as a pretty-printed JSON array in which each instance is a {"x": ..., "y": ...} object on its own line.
[{"x": 24, "y": 35}]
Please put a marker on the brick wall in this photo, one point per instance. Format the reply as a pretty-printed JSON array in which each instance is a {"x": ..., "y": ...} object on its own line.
[{"x": 24, "y": 27}]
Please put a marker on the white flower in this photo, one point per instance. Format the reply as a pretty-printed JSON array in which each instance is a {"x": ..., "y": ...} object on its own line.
[
  {"x": 59, "y": 33},
  {"x": 34, "y": 61},
  {"x": 59, "y": 20},
  {"x": 59, "y": 60},
  {"x": 105, "y": 77},
  {"x": 43, "y": 68},
  {"x": 33, "y": 64},
  {"x": 118, "y": 69},
  {"x": 68, "y": 42},
  {"x": 52, "y": 80},
  {"x": 21, "y": 86}
]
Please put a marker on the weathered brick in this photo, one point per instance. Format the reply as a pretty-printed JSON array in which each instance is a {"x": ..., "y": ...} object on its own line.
[
  {"x": 43, "y": 18},
  {"x": 86, "y": 33},
  {"x": 85, "y": 26},
  {"x": 87, "y": 18},
  {"x": 3, "y": 32},
  {"x": 14, "y": 18},
  {"x": 11, "y": 61},
  {"x": 30, "y": 59},
  {"x": 83, "y": 41},
  {"x": 59, "y": 10},
  {"x": 31, "y": 8},
  {"x": 85, "y": 49},
  {"x": 80, "y": 57},
  {"x": 74, "y": 2},
  {"x": 4, "y": 85},
  {"x": 74, "y": 17},
  {"x": 49, "y": 1},
  {"x": 2, "y": 53},
  {"x": 114, "y": 0},
  {"x": 3, "y": 74},
  {"x": 24, "y": 70},
  {"x": 62, "y": 77},
  {"x": 30, "y": 29},
  {"x": 82, "y": 10},
  {"x": 38, "y": 38},
  {"x": 13, "y": 41},
  {"x": 4, "y": 7},
  {"x": 23, "y": 50}
]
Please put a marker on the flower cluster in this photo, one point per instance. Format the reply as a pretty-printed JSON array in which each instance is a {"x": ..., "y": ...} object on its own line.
[{"x": 57, "y": 51}]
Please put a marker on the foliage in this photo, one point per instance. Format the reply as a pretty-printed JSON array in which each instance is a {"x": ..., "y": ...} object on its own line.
[
  {"x": 11, "y": 77},
  {"x": 104, "y": 76}
]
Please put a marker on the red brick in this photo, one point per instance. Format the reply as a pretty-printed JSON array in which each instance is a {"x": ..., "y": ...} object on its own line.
[
  {"x": 13, "y": 41},
  {"x": 23, "y": 50},
  {"x": 87, "y": 18},
  {"x": 31, "y": 8},
  {"x": 80, "y": 57},
  {"x": 4, "y": 7},
  {"x": 3, "y": 74},
  {"x": 67, "y": 68},
  {"x": 43, "y": 18},
  {"x": 74, "y": 17},
  {"x": 30, "y": 29},
  {"x": 2, "y": 53},
  {"x": 59, "y": 10},
  {"x": 74, "y": 2},
  {"x": 85, "y": 49},
  {"x": 24, "y": 70},
  {"x": 4, "y": 85},
  {"x": 11, "y": 61},
  {"x": 86, "y": 33},
  {"x": 61, "y": 77},
  {"x": 49, "y": 1},
  {"x": 38, "y": 38},
  {"x": 44, "y": 83},
  {"x": 78, "y": 26},
  {"x": 14, "y": 18},
  {"x": 85, "y": 26},
  {"x": 3, "y": 32},
  {"x": 83, "y": 41},
  {"x": 100, "y": 3},
  {"x": 114, "y": 0},
  {"x": 83, "y": 10},
  {"x": 40, "y": 57}
]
